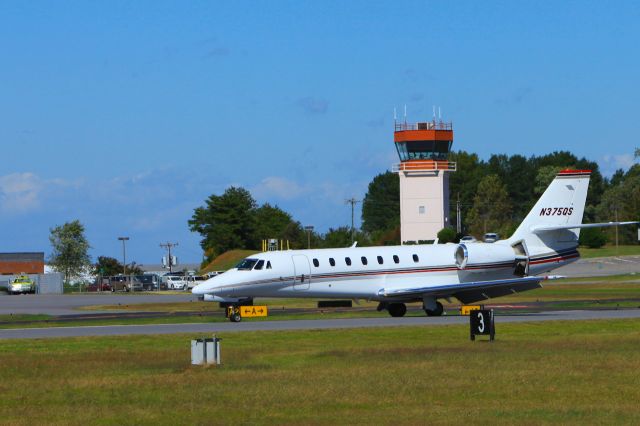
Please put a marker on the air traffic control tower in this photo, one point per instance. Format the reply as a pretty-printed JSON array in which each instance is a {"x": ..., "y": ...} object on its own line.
[{"x": 424, "y": 170}]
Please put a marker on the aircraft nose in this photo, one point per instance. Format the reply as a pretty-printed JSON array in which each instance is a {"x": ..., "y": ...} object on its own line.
[{"x": 199, "y": 289}]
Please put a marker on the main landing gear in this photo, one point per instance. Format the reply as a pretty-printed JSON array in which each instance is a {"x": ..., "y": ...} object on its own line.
[
  {"x": 434, "y": 312},
  {"x": 397, "y": 309}
]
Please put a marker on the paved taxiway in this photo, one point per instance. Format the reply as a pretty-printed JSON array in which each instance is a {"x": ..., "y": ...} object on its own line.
[
  {"x": 228, "y": 327},
  {"x": 600, "y": 267},
  {"x": 69, "y": 304}
]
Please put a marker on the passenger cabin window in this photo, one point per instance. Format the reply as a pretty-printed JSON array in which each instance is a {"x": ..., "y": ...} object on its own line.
[
  {"x": 259, "y": 265},
  {"x": 316, "y": 263},
  {"x": 332, "y": 262},
  {"x": 396, "y": 259},
  {"x": 347, "y": 260},
  {"x": 380, "y": 260},
  {"x": 364, "y": 260},
  {"x": 268, "y": 264},
  {"x": 415, "y": 258},
  {"x": 246, "y": 264}
]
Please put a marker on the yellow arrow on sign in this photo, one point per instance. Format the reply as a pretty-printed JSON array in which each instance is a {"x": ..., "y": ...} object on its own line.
[{"x": 253, "y": 311}]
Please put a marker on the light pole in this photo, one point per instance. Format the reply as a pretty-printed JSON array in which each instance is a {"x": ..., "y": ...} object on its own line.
[
  {"x": 309, "y": 229},
  {"x": 124, "y": 259}
]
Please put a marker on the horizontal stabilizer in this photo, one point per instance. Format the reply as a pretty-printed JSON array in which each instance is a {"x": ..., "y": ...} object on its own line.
[{"x": 541, "y": 229}]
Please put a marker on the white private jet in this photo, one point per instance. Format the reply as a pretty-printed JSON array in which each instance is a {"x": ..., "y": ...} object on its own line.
[{"x": 396, "y": 275}]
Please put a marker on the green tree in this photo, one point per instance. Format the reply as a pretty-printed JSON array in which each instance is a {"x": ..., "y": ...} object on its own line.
[
  {"x": 464, "y": 182},
  {"x": 226, "y": 222},
  {"x": 546, "y": 174},
  {"x": 70, "y": 250},
  {"x": 108, "y": 266},
  {"x": 491, "y": 211},
  {"x": 341, "y": 237},
  {"x": 622, "y": 203},
  {"x": 271, "y": 221},
  {"x": 381, "y": 204}
]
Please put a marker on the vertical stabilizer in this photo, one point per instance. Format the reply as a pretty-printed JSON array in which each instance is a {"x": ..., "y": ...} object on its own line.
[{"x": 562, "y": 204}]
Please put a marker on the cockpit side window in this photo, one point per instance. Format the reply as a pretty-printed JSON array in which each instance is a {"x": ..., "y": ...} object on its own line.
[
  {"x": 246, "y": 264},
  {"x": 268, "y": 264},
  {"x": 259, "y": 265}
]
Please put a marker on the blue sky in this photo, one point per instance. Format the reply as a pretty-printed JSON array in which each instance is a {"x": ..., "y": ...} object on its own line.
[{"x": 128, "y": 115}]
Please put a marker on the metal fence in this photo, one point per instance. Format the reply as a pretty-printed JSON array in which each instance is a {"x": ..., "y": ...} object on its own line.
[{"x": 45, "y": 283}]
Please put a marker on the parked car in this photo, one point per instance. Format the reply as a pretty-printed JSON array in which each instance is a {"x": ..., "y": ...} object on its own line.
[
  {"x": 491, "y": 237},
  {"x": 123, "y": 283},
  {"x": 101, "y": 284},
  {"x": 468, "y": 239},
  {"x": 175, "y": 282},
  {"x": 194, "y": 280},
  {"x": 150, "y": 282}
]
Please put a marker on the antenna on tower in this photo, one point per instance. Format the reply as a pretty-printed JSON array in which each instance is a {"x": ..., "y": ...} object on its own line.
[
  {"x": 434, "y": 113},
  {"x": 395, "y": 114},
  {"x": 439, "y": 114},
  {"x": 405, "y": 113}
]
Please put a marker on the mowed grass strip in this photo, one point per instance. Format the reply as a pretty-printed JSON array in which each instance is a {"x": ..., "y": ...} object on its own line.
[
  {"x": 569, "y": 372},
  {"x": 610, "y": 251}
]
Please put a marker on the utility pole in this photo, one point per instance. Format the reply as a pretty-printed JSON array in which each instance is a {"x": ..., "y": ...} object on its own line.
[
  {"x": 353, "y": 203},
  {"x": 309, "y": 229},
  {"x": 124, "y": 263},
  {"x": 458, "y": 216},
  {"x": 616, "y": 231},
  {"x": 124, "y": 255},
  {"x": 168, "y": 247}
]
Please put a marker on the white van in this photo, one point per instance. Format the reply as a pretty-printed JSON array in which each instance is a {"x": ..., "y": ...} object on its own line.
[
  {"x": 175, "y": 282},
  {"x": 194, "y": 280}
]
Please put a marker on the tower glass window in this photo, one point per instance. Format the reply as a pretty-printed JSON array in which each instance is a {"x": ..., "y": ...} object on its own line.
[{"x": 424, "y": 150}]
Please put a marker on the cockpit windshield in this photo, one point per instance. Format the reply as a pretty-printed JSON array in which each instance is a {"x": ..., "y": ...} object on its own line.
[{"x": 246, "y": 264}]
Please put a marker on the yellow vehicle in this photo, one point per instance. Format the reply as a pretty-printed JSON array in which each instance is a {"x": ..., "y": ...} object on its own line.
[{"x": 21, "y": 284}]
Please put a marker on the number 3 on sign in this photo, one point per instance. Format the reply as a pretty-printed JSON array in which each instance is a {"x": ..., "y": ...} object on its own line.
[{"x": 482, "y": 323}]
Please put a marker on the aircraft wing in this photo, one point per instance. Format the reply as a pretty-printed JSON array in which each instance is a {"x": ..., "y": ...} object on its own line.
[{"x": 468, "y": 292}]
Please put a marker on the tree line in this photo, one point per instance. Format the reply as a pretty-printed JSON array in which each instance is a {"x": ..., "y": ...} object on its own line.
[{"x": 494, "y": 195}]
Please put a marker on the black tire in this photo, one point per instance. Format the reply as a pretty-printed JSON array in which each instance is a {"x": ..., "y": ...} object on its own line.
[
  {"x": 235, "y": 317},
  {"x": 397, "y": 309},
  {"x": 436, "y": 312}
]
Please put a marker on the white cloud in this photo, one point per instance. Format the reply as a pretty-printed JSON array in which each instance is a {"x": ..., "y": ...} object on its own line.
[
  {"x": 19, "y": 192},
  {"x": 278, "y": 187},
  {"x": 611, "y": 163}
]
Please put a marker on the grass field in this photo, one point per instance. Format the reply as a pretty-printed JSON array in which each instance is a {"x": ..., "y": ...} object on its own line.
[
  {"x": 536, "y": 373},
  {"x": 609, "y": 251}
]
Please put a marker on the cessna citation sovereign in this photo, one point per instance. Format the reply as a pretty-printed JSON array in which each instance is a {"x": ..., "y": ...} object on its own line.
[{"x": 396, "y": 275}]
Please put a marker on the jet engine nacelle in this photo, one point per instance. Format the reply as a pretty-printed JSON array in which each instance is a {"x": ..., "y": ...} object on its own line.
[{"x": 480, "y": 255}]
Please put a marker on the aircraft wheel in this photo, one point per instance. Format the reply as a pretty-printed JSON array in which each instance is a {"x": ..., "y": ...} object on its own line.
[
  {"x": 397, "y": 309},
  {"x": 436, "y": 312},
  {"x": 235, "y": 317}
]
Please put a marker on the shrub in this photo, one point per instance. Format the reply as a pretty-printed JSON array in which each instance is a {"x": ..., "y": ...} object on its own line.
[
  {"x": 446, "y": 235},
  {"x": 592, "y": 237}
]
